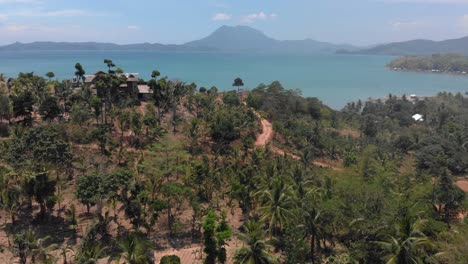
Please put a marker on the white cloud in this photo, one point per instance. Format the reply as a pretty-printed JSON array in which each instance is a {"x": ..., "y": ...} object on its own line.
[
  {"x": 257, "y": 16},
  {"x": 221, "y": 17},
  {"x": 133, "y": 27},
  {"x": 464, "y": 23}
]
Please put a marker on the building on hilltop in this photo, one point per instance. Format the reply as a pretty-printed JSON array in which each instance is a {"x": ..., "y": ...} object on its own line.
[{"x": 130, "y": 86}]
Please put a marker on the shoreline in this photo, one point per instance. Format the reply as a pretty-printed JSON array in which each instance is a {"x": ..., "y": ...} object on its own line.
[{"x": 465, "y": 74}]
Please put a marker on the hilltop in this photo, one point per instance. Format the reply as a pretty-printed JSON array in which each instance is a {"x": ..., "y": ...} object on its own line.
[{"x": 419, "y": 47}]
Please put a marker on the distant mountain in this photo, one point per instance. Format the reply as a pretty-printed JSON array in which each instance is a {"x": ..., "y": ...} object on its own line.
[
  {"x": 244, "y": 38},
  {"x": 224, "y": 39},
  {"x": 420, "y": 47},
  {"x": 47, "y": 45}
]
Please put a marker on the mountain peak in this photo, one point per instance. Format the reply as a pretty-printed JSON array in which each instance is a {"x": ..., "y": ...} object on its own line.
[{"x": 240, "y": 38}]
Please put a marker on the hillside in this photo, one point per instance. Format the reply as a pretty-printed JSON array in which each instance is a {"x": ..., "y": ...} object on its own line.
[
  {"x": 196, "y": 175},
  {"x": 420, "y": 47},
  {"x": 224, "y": 39}
]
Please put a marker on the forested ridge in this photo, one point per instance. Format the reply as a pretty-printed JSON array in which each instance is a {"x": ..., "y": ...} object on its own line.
[
  {"x": 177, "y": 177},
  {"x": 444, "y": 63}
]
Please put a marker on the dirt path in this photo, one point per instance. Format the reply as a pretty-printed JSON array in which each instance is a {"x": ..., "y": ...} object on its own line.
[
  {"x": 463, "y": 184},
  {"x": 267, "y": 136}
]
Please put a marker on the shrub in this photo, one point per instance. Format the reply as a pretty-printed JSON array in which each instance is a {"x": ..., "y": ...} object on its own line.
[{"x": 172, "y": 259}]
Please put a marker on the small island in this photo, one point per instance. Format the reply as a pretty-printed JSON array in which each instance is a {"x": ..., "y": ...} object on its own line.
[{"x": 437, "y": 63}]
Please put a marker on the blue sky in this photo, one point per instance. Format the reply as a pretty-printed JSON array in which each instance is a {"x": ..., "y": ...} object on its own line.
[{"x": 360, "y": 22}]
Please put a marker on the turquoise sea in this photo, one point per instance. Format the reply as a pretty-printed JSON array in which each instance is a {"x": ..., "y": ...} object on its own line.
[{"x": 335, "y": 79}]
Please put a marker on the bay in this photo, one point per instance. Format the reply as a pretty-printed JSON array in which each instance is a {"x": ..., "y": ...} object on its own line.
[{"x": 333, "y": 78}]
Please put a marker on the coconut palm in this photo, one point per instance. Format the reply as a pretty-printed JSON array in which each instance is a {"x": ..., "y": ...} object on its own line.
[
  {"x": 277, "y": 203},
  {"x": 256, "y": 250},
  {"x": 80, "y": 72},
  {"x": 42, "y": 252},
  {"x": 311, "y": 223},
  {"x": 65, "y": 250},
  {"x": 409, "y": 245},
  {"x": 10, "y": 191},
  {"x": 136, "y": 249},
  {"x": 89, "y": 253}
]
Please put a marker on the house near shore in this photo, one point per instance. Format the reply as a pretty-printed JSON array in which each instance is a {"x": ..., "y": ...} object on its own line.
[{"x": 130, "y": 88}]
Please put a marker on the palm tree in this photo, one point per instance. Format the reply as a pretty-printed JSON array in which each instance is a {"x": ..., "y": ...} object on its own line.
[
  {"x": 136, "y": 249},
  {"x": 90, "y": 253},
  {"x": 277, "y": 203},
  {"x": 63, "y": 91},
  {"x": 409, "y": 245},
  {"x": 10, "y": 192},
  {"x": 64, "y": 250},
  {"x": 311, "y": 217},
  {"x": 256, "y": 250},
  {"x": 24, "y": 243},
  {"x": 42, "y": 252},
  {"x": 80, "y": 72}
]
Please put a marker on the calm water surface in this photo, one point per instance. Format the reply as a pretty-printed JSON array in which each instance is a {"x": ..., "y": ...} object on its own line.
[{"x": 335, "y": 79}]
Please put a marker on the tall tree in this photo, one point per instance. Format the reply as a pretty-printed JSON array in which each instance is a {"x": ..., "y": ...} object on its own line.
[
  {"x": 89, "y": 190},
  {"x": 49, "y": 109},
  {"x": 277, "y": 205},
  {"x": 80, "y": 72},
  {"x": 42, "y": 188},
  {"x": 137, "y": 249},
  {"x": 110, "y": 65},
  {"x": 238, "y": 83},
  {"x": 23, "y": 106},
  {"x": 256, "y": 249},
  {"x": 409, "y": 244},
  {"x": 50, "y": 75},
  {"x": 209, "y": 238}
]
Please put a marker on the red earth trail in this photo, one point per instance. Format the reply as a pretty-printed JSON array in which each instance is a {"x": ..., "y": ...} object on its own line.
[{"x": 267, "y": 136}]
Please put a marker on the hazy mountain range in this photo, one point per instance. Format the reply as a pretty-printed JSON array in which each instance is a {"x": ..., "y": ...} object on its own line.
[
  {"x": 247, "y": 39},
  {"x": 418, "y": 47},
  {"x": 224, "y": 39}
]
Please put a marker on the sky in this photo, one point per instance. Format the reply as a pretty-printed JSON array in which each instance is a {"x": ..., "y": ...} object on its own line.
[{"x": 358, "y": 22}]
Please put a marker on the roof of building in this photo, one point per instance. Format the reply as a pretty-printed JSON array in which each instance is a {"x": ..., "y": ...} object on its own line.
[
  {"x": 89, "y": 78},
  {"x": 144, "y": 89},
  {"x": 132, "y": 79},
  {"x": 418, "y": 117}
]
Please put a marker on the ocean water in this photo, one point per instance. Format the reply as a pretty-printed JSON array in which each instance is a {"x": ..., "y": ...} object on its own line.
[{"x": 334, "y": 79}]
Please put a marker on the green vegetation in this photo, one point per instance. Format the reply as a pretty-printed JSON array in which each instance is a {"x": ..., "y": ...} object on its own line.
[
  {"x": 445, "y": 63},
  {"x": 89, "y": 172}
]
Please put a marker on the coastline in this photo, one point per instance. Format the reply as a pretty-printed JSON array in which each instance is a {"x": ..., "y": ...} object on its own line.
[{"x": 465, "y": 74}]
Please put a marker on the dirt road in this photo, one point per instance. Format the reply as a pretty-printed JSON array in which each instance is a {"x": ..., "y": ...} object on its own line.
[{"x": 267, "y": 136}]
